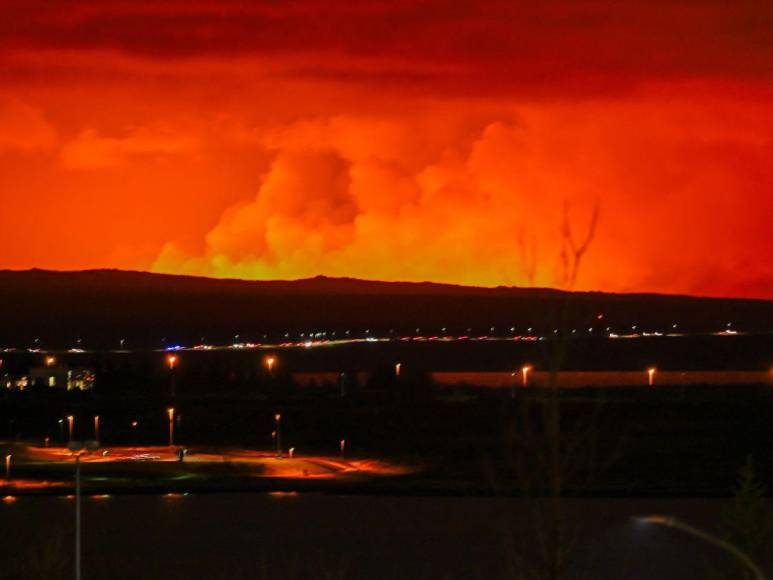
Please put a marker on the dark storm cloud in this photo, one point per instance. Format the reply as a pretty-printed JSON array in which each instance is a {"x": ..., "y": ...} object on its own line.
[{"x": 494, "y": 42}]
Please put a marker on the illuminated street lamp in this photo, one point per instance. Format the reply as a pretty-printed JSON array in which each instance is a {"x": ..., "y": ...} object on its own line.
[
  {"x": 171, "y": 362},
  {"x": 398, "y": 366},
  {"x": 672, "y": 522},
  {"x": 170, "y": 413},
  {"x": 342, "y": 446},
  {"x": 8, "y": 466},
  {"x": 525, "y": 372},
  {"x": 291, "y": 452},
  {"x": 70, "y": 425},
  {"x": 278, "y": 431},
  {"x": 651, "y": 376},
  {"x": 50, "y": 361},
  {"x": 96, "y": 427},
  {"x": 61, "y": 429},
  {"x": 270, "y": 362}
]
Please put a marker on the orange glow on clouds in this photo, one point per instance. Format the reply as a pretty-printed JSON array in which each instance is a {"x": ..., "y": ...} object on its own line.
[{"x": 402, "y": 141}]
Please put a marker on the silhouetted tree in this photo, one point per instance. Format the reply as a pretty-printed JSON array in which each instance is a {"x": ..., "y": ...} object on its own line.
[
  {"x": 747, "y": 523},
  {"x": 541, "y": 455}
]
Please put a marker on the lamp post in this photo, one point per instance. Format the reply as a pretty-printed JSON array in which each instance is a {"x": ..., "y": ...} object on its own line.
[
  {"x": 342, "y": 446},
  {"x": 61, "y": 429},
  {"x": 651, "y": 376},
  {"x": 8, "y": 466},
  {"x": 672, "y": 522},
  {"x": 50, "y": 360},
  {"x": 171, "y": 362},
  {"x": 96, "y": 427},
  {"x": 77, "y": 516},
  {"x": 170, "y": 413},
  {"x": 70, "y": 425},
  {"x": 278, "y": 423},
  {"x": 78, "y": 451},
  {"x": 398, "y": 366},
  {"x": 134, "y": 425},
  {"x": 525, "y": 372},
  {"x": 270, "y": 362}
]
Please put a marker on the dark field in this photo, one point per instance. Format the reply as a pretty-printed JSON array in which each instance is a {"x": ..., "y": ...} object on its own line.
[
  {"x": 281, "y": 537},
  {"x": 647, "y": 441}
]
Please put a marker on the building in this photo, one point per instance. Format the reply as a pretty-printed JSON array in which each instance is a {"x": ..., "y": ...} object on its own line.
[
  {"x": 62, "y": 377},
  {"x": 10, "y": 382}
]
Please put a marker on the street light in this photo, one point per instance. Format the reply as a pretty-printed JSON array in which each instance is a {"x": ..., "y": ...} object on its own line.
[
  {"x": 278, "y": 423},
  {"x": 171, "y": 362},
  {"x": 270, "y": 362},
  {"x": 671, "y": 522},
  {"x": 170, "y": 413},
  {"x": 398, "y": 366},
  {"x": 50, "y": 360},
  {"x": 651, "y": 375},
  {"x": 78, "y": 572},
  {"x": 96, "y": 427},
  {"x": 8, "y": 466},
  {"x": 525, "y": 371},
  {"x": 70, "y": 425},
  {"x": 78, "y": 452},
  {"x": 342, "y": 446}
]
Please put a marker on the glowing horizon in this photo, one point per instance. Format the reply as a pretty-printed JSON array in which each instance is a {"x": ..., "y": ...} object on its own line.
[{"x": 412, "y": 141}]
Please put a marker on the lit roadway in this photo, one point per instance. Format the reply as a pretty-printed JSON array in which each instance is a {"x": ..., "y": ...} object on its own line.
[{"x": 325, "y": 339}]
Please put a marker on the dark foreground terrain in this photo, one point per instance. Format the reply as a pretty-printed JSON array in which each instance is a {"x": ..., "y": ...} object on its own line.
[{"x": 297, "y": 537}]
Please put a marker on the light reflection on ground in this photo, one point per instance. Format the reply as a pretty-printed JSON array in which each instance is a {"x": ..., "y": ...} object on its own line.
[
  {"x": 298, "y": 466},
  {"x": 46, "y": 468}
]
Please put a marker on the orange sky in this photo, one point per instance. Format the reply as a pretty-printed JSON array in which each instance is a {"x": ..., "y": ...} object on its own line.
[{"x": 391, "y": 140}]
